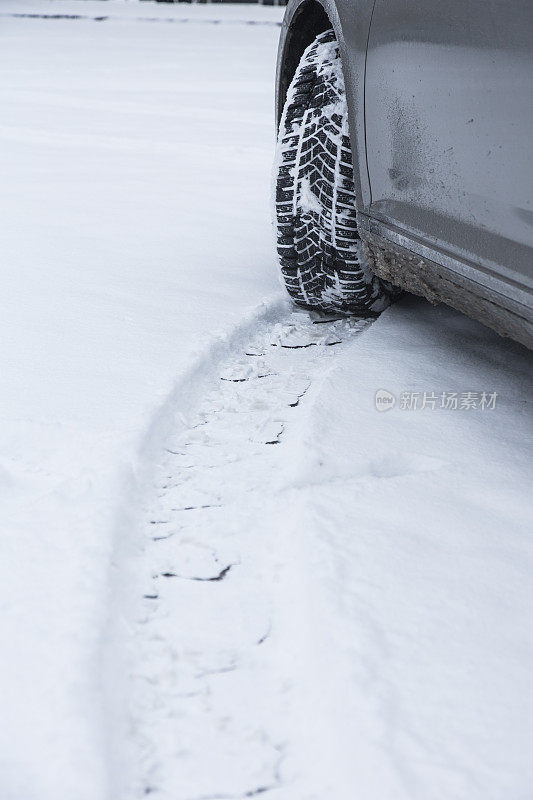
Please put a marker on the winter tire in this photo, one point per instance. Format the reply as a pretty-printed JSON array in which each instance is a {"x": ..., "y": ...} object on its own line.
[{"x": 320, "y": 252}]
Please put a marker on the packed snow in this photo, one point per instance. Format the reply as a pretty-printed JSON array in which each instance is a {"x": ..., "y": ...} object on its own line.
[{"x": 244, "y": 550}]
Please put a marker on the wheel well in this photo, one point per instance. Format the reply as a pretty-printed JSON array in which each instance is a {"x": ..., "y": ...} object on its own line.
[{"x": 308, "y": 22}]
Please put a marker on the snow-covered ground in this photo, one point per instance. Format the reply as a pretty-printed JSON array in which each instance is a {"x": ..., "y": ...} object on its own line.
[{"x": 223, "y": 572}]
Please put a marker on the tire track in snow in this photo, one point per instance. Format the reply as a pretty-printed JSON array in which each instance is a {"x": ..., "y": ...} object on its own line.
[{"x": 211, "y": 673}]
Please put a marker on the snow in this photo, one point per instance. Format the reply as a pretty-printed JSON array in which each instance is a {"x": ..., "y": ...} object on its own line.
[
  {"x": 308, "y": 201},
  {"x": 436, "y": 568},
  {"x": 223, "y": 571},
  {"x": 126, "y": 192}
]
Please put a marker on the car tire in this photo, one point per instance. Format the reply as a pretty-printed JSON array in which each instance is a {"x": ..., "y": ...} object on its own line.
[{"x": 320, "y": 252}]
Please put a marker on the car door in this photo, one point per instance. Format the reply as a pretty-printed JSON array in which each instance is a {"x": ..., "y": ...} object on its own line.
[{"x": 449, "y": 133}]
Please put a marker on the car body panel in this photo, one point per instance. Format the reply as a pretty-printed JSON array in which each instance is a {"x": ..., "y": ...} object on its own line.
[{"x": 449, "y": 122}]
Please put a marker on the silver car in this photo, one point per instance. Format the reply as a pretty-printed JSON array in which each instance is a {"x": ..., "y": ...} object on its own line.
[{"x": 404, "y": 156}]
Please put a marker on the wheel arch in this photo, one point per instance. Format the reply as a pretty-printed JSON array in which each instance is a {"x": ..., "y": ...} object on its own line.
[
  {"x": 350, "y": 20},
  {"x": 302, "y": 24}
]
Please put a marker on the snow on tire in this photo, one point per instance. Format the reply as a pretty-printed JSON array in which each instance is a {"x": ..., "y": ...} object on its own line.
[{"x": 320, "y": 252}]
